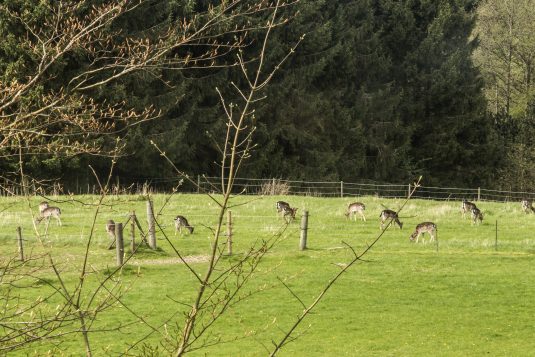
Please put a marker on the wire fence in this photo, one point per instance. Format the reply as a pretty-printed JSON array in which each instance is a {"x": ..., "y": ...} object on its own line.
[
  {"x": 354, "y": 189},
  {"x": 275, "y": 186}
]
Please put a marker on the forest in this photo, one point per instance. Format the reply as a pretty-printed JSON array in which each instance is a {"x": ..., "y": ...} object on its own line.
[{"x": 382, "y": 90}]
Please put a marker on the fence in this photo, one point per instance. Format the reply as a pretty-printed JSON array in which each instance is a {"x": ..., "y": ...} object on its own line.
[
  {"x": 353, "y": 189},
  {"x": 275, "y": 186}
]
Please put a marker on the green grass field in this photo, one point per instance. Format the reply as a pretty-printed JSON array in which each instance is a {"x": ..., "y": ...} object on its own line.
[{"x": 406, "y": 299}]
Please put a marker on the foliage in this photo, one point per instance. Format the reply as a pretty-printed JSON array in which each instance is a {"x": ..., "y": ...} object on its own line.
[{"x": 382, "y": 90}]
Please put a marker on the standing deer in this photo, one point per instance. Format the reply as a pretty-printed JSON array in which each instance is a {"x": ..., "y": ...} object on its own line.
[
  {"x": 389, "y": 214},
  {"x": 477, "y": 216},
  {"x": 182, "y": 222},
  {"x": 42, "y": 206},
  {"x": 467, "y": 207},
  {"x": 527, "y": 206},
  {"x": 287, "y": 212},
  {"x": 354, "y": 208},
  {"x": 425, "y": 227},
  {"x": 110, "y": 228},
  {"x": 46, "y": 211}
]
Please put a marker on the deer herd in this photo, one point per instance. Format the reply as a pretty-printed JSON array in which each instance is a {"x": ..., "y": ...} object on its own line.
[{"x": 288, "y": 214}]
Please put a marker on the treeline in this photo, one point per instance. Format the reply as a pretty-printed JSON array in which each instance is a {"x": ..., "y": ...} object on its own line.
[{"x": 378, "y": 89}]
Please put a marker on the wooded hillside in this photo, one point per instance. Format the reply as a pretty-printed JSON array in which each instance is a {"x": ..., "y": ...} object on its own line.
[{"x": 383, "y": 90}]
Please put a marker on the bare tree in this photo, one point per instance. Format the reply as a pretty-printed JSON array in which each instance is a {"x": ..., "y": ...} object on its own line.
[
  {"x": 217, "y": 290},
  {"x": 44, "y": 113},
  {"x": 507, "y": 52},
  {"x": 64, "y": 120}
]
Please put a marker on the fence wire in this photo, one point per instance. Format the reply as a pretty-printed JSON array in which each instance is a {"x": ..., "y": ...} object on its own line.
[{"x": 273, "y": 186}]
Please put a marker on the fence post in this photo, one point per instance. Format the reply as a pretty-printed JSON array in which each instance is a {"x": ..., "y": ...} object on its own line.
[
  {"x": 304, "y": 228},
  {"x": 478, "y": 193},
  {"x": 132, "y": 229},
  {"x": 119, "y": 245},
  {"x": 342, "y": 189},
  {"x": 150, "y": 220},
  {"x": 409, "y": 191},
  {"x": 229, "y": 232},
  {"x": 19, "y": 239},
  {"x": 198, "y": 183},
  {"x": 273, "y": 187}
]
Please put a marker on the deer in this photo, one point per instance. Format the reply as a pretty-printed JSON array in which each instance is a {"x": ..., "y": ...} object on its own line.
[
  {"x": 110, "y": 228},
  {"x": 288, "y": 212},
  {"x": 477, "y": 216},
  {"x": 424, "y": 227},
  {"x": 182, "y": 222},
  {"x": 46, "y": 211},
  {"x": 354, "y": 208},
  {"x": 527, "y": 206},
  {"x": 467, "y": 207},
  {"x": 389, "y": 214}
]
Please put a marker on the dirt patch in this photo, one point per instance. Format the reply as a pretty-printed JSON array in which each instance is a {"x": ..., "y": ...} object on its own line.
[{"x": 168, "y": 261}]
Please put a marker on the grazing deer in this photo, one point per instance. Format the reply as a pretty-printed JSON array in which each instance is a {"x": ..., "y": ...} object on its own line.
[
  {"x": 527, "y": 206},
  {"x": 46, "y": 211},
  {"x": 182, "y": 222},
  {"x": 388, "y": 214},
  {"x": 354, "y": 208},
  {"x": 110, "y": 228},
  {"x": 477, "y": 216},
  {"x": 425, "y": 227},
  {"x": 467, "y": 207},
  {"x": 287, "y": 212}
]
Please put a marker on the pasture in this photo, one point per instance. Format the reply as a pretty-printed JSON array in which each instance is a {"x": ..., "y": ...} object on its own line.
[{"x": 404, "y": 299}]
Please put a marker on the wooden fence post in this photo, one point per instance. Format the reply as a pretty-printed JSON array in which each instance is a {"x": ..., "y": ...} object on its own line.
[
  {"x": 133, "y": 231},
  {"x": 304, "y": 228},
  {"x": 150, "y": 220},
  {"x": 19, "y": 239},
  {"x": 229, "y": 232},
  {"x": 119, "y": 245},
  {"x": 409, "y": 191},
  {"x": 198, "y": 183},
  {"x": 478, "y": 193},
  {"x": 342, "y": 189},
  {"x": 273, "y": 187}
]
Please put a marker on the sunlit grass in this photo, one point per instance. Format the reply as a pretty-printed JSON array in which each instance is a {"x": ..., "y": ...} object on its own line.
[{"x": 472, "y": 294}]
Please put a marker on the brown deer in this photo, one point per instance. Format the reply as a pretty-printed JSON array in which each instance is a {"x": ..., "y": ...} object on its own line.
[
  {"x": 182, "y": 222},
  {"x": 389, "y": 214},
  {"x": 46, "y": 211},
  {"x": 425, "y": 227},
  {"x": 110, "y": 228},
  {"x": 527, "y": 206},
  {"x": 467, "y": 207},
  {"x": 477, "y": 216},
  {"x": 354, "y": 208},
  {"x": 288, "y": 213}
]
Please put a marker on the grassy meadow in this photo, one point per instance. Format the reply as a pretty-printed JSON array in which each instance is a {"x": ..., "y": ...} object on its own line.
[{"x": 405, "y": 299}]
